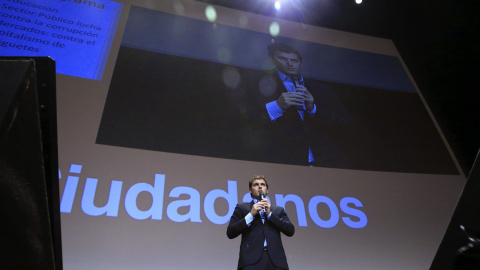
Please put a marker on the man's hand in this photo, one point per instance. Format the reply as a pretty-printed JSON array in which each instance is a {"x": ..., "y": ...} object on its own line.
[
  {"x": 308, "y": 98},
  {"x": 261, "y": 205},
  {"x": 298, "y": 98},
  {"x": 257, "y": 208},
  {"x": 266, "y": 206}
]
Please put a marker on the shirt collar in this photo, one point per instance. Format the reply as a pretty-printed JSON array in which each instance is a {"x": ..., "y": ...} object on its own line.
[{"x": 285, "y": 77}]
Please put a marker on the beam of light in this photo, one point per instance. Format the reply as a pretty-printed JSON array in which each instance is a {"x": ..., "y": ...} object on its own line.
[
  {"x": 211, "y": 13},
  {"x": 274, "y": 29},
  {"x": 278, "y": 5},
  {"x": 178, "y": 7},
  {"x": 298, "y": 9}
]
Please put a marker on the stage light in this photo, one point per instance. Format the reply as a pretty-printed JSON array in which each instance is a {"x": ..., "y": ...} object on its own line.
[
  {"x": 274, "y": 29},
  {"x": 278, "y": 5},
  {"x": 211, "y": 13},
  {"x": 358, "y": 1},
  {"x": 178, "y": 7}
]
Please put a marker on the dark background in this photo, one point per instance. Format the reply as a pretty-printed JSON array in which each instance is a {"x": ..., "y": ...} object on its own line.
[{"x": 439, "y": 42}]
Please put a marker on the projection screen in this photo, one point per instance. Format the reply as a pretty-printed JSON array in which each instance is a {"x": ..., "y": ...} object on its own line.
[{"x": 161, "y": 124}]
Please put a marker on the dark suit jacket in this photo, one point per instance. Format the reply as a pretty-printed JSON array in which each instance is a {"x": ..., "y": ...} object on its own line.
[
  {"x": 253, "y": 236},
  {"x": 287, "y": 139}
]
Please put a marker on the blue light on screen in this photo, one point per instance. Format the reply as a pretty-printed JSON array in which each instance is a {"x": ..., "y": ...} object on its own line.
[{"x": 77, "y": 34}]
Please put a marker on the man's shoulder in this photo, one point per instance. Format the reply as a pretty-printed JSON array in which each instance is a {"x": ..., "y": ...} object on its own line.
[
  {"x": 277, "y": 208},
  {"x": 243, "y": 208},
  {"x": 245, "y": 205}
]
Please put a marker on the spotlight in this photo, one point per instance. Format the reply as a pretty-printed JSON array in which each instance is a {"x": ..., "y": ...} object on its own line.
[
  {"x": 211, "y": 13},
  {"x": 278, "y": 6},
  {"x": 274, "y": 29},
  {"x": 358, "y": 1}
]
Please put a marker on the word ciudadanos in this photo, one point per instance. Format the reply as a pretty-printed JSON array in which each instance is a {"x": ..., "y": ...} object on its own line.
[{"x": 187, "y": 203}]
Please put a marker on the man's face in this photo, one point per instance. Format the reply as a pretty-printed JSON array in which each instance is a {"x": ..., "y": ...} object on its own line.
[
  {"x": 288, "y": 63},
  {"x": 258, "y": 186}
]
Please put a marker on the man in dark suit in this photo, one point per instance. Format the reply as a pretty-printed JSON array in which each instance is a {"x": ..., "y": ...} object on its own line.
[
  {"x": 295, "y": 120},
  {"x": 260, "y": 225}
]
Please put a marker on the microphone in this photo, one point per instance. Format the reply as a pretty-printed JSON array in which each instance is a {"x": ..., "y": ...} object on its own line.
[
  {"x": 297, "y": 82},
  {"x": 262, "y": 213},
  {"x": 295, "y": 79}
]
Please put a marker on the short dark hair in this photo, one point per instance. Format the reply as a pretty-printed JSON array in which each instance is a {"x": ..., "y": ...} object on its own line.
[
  {"x": 282, "y": 47},
  {"x": 257, "y": 177}
]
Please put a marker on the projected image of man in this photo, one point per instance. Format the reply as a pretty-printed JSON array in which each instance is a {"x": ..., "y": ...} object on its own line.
[
  {"x": 260, "y": 224},
  {"x": 288, "y": 63},
  {"x": 304, "y": 116}
]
